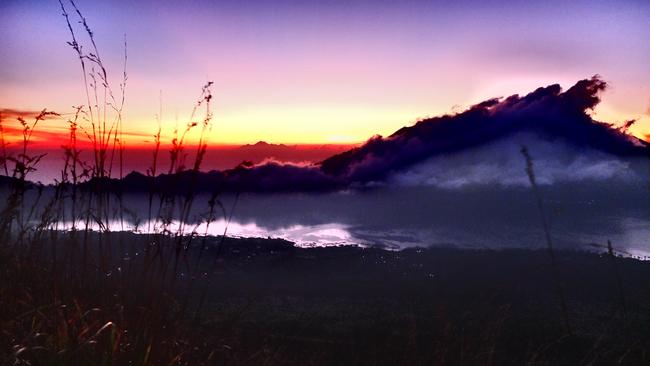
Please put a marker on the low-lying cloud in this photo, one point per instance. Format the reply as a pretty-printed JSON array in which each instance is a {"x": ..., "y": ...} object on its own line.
[
  {"x": 500, "y": 163},
  {"x": 546, "y": 112},
  {"x": 478, "y": 146}
]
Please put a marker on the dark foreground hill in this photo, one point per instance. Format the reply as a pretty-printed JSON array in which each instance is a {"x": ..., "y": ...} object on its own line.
[{"x": 266, "y": 302}]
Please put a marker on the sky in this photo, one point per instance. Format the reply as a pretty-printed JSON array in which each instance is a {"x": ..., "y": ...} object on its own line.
[{"x": 327, "y": 71}]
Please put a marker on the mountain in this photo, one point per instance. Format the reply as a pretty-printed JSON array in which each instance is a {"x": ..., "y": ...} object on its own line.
[
  {"x": 547, "y": 114},
  {"x": 478, "y": 146}
]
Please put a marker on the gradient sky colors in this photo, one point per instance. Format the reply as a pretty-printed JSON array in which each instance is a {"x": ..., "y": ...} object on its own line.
[{"x": 329, "y": 71}]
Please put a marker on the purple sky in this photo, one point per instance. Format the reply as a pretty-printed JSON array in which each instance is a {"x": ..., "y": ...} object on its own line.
[{"x": 317, "y": 72}]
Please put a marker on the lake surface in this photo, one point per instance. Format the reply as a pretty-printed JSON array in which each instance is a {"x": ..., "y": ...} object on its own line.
[{"x": 580, "y": 217}]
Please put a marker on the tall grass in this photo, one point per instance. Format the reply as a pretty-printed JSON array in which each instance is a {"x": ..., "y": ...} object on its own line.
[
  {"x": 79, "y": 324},
  {"x": 617, "y": 275},
  {"x": 557, "y": 280}
]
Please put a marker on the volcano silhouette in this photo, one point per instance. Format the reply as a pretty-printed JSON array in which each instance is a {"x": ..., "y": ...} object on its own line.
[{"x": 548, "y": 113}]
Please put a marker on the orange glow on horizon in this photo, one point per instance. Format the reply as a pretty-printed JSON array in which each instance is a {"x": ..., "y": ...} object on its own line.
[{"x": 232, "y": 129}]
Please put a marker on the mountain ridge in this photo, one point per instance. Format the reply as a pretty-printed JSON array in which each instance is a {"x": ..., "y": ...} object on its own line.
[{"x": 551, "y": 114}]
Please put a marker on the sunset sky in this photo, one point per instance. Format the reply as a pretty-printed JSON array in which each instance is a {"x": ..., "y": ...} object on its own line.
[{"x": 328, "y": 71}]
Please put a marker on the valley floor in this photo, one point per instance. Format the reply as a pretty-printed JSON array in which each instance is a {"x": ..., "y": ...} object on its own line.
[{"x": 266, "y": 302}]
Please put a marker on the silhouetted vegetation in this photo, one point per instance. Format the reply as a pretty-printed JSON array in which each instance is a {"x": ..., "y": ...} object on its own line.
[{"x": 75, "y": 292}]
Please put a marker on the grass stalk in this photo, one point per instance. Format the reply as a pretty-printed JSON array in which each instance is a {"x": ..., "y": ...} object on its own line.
[{"x": 559, "y": 287}]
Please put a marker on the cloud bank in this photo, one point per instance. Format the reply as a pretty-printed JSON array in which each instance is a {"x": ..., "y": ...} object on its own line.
[
  {"x": 547, "y": 113},
  {"x": 476, "y": 146},
  {"x": 501, "y": 163}
]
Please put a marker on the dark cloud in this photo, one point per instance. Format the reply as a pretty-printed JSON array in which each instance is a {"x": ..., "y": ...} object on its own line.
[{"x": 548, "y": 113}]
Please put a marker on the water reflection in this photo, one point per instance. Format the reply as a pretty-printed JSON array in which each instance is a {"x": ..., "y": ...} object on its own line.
[
  {"x": 304, "y": 236},
  {"x": 581, "y": 217},
  {"x": 632, "y": 240}
]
